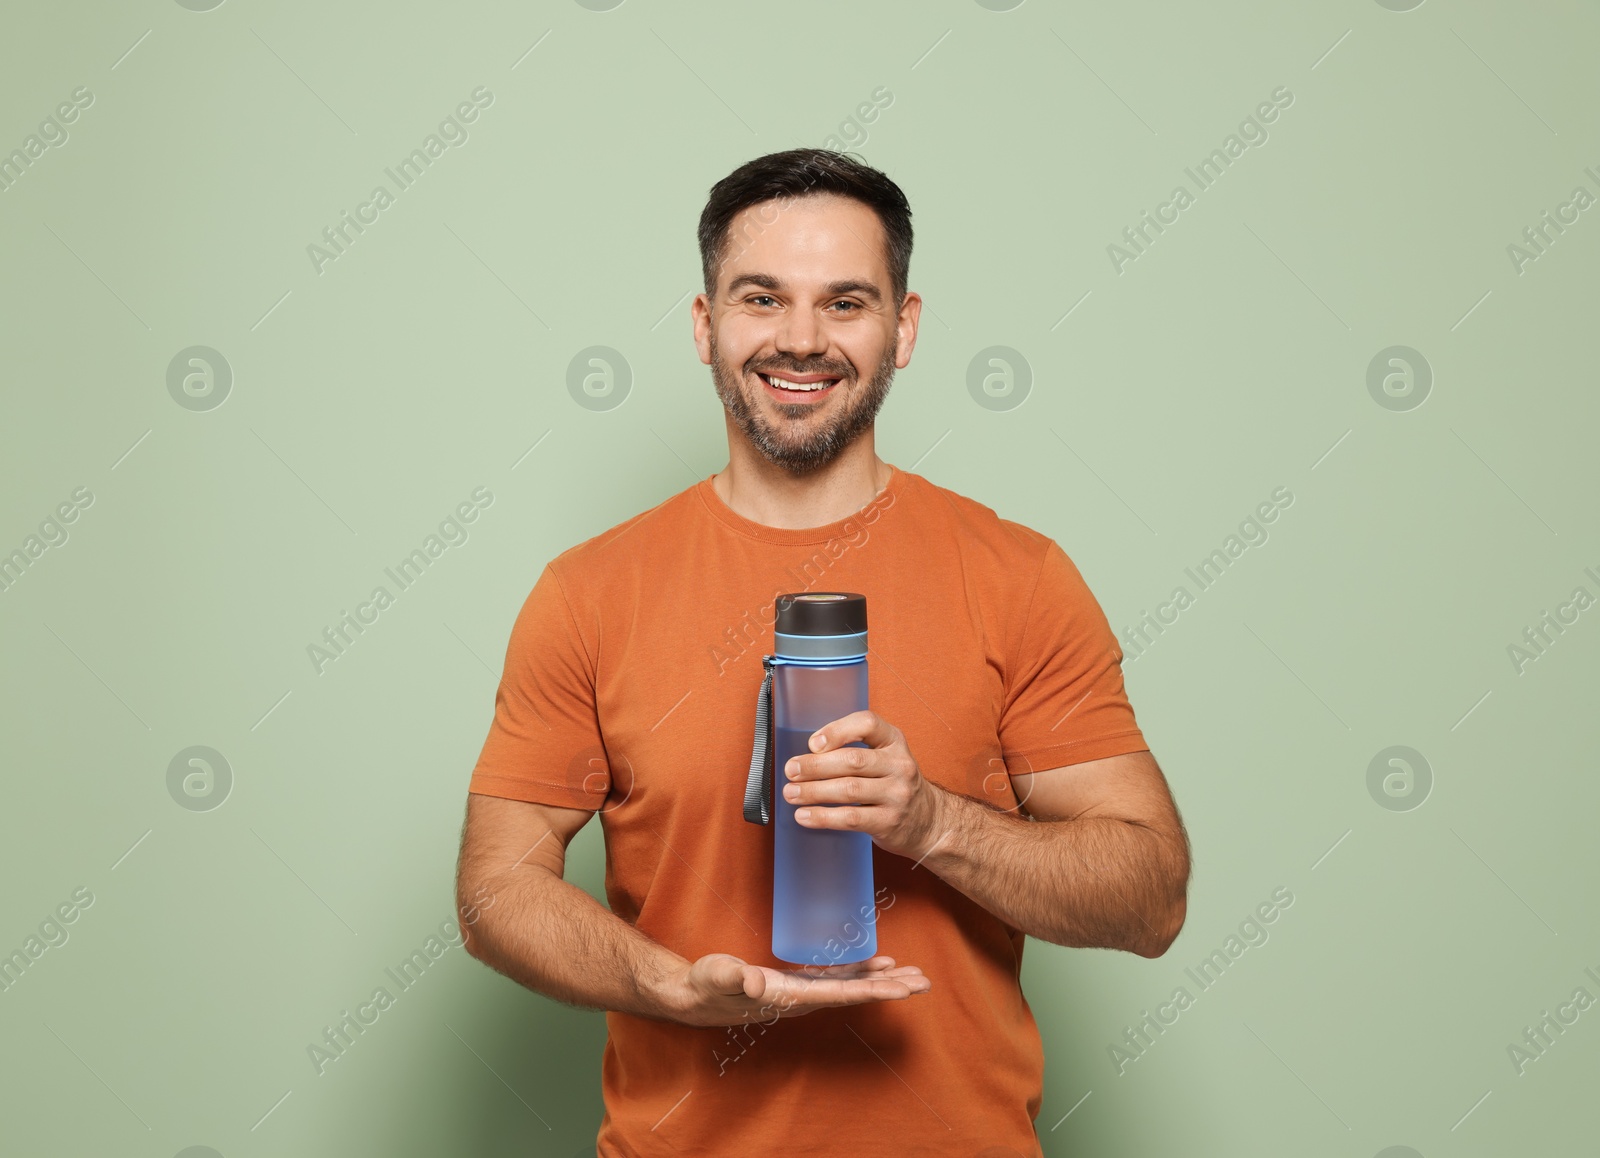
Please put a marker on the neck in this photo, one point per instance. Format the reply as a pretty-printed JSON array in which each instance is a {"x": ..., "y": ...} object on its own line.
[{"x": 768, "y": 494}]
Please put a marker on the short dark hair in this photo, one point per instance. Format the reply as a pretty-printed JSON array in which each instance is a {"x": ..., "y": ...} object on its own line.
[{"x": 800, "y": 173}]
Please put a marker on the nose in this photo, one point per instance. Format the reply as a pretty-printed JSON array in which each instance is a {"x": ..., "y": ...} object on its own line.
[{"x": 799, "y": 335}]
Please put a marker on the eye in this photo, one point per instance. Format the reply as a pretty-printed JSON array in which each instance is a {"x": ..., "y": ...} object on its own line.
[
  {"x": 850, "y": 307},
  {"x": 759, "y": 298}
]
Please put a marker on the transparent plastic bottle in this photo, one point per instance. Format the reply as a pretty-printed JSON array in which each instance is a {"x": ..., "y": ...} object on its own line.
[{"x": 822, "y": 890}]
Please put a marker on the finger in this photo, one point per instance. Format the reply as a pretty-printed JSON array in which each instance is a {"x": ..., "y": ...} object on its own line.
[
  {"x": 911, "y": 977},
  {"x": 865, "y": 725},
  {"x": 870, "y": 967},
  {"x": 840, "y": 762},
  {"x": 839, "y": 816},
  {"x": 728, "y": 975},
  {"x": 881, "y": 961},
  {"x": 795, "y": 985},
  {"x": 830, "y": 994},
  {"x": 854, "y": 991},
  {"x": 845, "y": 789},
  {"x": 906, "y": 973},
  {"x": 903, "y": 971},
  {"x": 755, "y": 982}
]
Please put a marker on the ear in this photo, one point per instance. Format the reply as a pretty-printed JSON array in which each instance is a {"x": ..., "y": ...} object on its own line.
[
  {"x": 700, "y": 311},
  {"x": 906, "y": 329}
]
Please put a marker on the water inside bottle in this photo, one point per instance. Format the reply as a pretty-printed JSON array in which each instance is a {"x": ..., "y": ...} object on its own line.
[{"x": 823, "y": 911}]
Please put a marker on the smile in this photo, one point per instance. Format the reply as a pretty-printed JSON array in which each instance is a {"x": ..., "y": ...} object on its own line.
[{"x": 798, "y": 386}]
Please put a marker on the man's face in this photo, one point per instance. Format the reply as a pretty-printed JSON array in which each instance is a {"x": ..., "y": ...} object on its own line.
[{"x": 803, "y": 337}]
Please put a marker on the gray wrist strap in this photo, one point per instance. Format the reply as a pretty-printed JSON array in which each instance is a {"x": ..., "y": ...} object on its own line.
[{"x": 758, "y": 787}]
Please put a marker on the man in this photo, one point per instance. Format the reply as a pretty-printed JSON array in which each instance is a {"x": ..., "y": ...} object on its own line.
[{"x": 1004, "y": 782}]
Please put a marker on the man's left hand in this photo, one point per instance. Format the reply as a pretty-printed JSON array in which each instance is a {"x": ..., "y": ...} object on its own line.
[{"x": 878, "y": 789}]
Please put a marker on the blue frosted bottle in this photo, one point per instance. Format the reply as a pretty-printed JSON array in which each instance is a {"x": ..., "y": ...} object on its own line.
[{"x": 822, "y": 894}]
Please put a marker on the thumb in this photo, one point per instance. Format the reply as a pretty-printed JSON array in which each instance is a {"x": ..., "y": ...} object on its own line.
[
  {"x": 727, "y": 974},
  {"x": 755, "y": 981}
]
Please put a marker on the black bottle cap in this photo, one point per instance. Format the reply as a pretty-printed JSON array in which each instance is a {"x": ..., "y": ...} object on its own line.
[{"x": 821, "y": 613}]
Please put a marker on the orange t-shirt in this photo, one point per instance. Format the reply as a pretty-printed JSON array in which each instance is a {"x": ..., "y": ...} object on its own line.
[{"x": 630, "y": 689}]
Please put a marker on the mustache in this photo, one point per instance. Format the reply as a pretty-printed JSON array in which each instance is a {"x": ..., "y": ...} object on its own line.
[{"x": 820, "y": 368}]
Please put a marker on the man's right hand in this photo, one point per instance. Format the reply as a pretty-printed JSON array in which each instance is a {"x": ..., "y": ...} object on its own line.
[{"x": 721, "y": 989}]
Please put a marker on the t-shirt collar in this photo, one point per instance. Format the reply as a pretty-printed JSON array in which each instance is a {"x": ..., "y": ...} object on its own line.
[{"x": 785, "y": 536}]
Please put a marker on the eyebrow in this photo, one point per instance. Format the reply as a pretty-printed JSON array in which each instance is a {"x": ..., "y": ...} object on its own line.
[{"x": 766, "y": 281}]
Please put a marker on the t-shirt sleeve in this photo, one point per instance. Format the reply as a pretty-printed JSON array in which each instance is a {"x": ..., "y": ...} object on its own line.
[
  {"x": 1065, "y": 702},
  {"x": 544, "y": 745}
]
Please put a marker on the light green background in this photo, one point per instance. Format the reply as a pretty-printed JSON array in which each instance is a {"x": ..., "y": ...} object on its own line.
[{"x": 1167, "y": 401}]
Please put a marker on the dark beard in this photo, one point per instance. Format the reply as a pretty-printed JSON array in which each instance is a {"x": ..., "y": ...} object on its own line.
[{"x": 822, "y": 446}]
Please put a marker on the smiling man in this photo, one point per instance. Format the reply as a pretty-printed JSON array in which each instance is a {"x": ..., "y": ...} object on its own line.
[{"x": 1005, "y": 784}]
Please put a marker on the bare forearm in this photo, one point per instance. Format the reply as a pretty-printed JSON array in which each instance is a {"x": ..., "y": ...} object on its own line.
[
  {"x": 1089, "y": 882},
  {"x": 549, "y": 935}
]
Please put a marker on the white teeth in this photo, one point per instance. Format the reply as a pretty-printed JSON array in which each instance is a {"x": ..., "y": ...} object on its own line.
[{"x": 785, "y": 384}]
